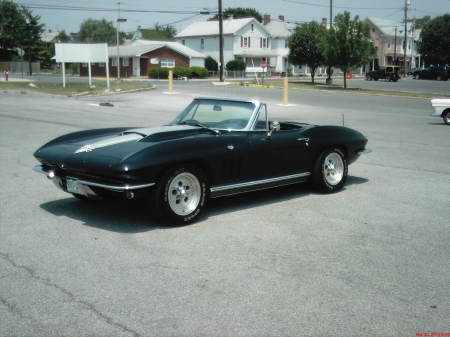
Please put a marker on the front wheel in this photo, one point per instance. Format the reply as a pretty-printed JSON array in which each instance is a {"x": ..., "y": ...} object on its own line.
[
  {"x": 388, "y": 78},
  {"x": 330, "y": 171},
  {"x": 446, "y": 117},
  {"x": 369, "y": 77},
  {"x": 180, "y": 195},
  {"x": 439, "y": 78}
]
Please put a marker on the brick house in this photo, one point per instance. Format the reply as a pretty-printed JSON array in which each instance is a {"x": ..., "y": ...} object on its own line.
[{"x": 135, "y": 59}]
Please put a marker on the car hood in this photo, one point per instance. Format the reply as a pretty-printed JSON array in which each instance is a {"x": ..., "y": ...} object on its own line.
[{"x": 106, "y": 147}]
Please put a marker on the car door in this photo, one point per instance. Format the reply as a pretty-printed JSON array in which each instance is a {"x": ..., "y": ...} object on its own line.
[{"x": 283, "y": 153}]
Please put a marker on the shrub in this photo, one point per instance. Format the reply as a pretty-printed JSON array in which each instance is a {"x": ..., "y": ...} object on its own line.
[
  {"x": 236, "y": 65},
  {"x": 158, "y": 73},
  {"x": 211, "y": 64},
  {"x": 73, "y": 68},
  {"x": 182, "y": 72},
  {"x": 199, "y": 72}
]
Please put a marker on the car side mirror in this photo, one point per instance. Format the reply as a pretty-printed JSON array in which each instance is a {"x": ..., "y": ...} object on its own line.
[{"x": 274, "y": 126}]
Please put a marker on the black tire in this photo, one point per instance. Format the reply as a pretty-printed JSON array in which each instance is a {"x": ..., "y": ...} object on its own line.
[
  {"x": 369, "y": 77},
  {"x": 180, "y": 195},
  {"x": 446, "y": 117},
  {"x": 330, "y": 171},
  {"x": 387, "y": 78},
  {"x": 417, "y": 77},
  {"x": 439, "y": 78}
]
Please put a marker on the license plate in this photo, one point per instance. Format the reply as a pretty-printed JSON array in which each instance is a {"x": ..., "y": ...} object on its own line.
[{"x": 72, "y": 186}]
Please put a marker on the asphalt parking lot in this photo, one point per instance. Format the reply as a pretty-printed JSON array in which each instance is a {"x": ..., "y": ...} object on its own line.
[{"x": 371, "y": 260}]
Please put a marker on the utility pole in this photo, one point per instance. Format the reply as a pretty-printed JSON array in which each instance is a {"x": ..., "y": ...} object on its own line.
[
  {"x": 407, "y": 2},
  {"x": 221, "y": 41}
]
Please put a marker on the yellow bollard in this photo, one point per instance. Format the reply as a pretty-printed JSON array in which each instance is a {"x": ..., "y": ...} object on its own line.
[
  {"x": 285, "y": 95},
  {"x": 170, "y": 81}
]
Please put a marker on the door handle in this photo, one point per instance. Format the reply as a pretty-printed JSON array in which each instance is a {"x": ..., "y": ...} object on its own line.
[{"x": 306, "y": 140}]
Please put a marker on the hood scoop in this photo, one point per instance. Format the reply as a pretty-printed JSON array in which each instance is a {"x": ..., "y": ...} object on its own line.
[{"x": 123, "y": 138}]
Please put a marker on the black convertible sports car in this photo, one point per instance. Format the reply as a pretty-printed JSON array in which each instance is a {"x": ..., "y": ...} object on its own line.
[{"x": 215, "y": 147}]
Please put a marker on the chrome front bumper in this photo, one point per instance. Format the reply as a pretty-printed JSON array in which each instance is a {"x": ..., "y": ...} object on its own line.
[{"x": 84, "y": 185}]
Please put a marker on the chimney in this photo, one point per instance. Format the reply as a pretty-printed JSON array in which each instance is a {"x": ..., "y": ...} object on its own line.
[
  {"x": 324, "y": 21},
  {"x": 266, "y": 18},
  {"x": 281, "y": 17}
]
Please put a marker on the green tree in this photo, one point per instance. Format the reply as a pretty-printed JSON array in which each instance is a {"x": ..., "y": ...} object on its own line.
[
  {"x": 434, "y": 44},
  {"x": 420, "y": 23},
  {"x": 100, "y": 31},
  {"x": 12, "y": 27},
  {"x": 160, "y": 33},
  {"x": 240, "y": 13},
  {"x": 347, "y": 45},
  {"x": 211, "y": 64},
  {"x": 31, "y": 38},
  {"x": 305, "y": 46},
  {"x": 63, "y": 37}
]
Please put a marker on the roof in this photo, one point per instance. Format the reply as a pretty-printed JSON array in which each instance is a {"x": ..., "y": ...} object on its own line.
[
  {"x": 387, "y": 27},
  {"x": 48, "y": 36},
  {"x": 211, "y": 28},
  {"x": 140, "y": 47},
  {"x": 279, "y": 28}
]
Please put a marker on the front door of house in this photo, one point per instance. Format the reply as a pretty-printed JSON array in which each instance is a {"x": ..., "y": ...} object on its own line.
[{"x": 136, "y": 66}]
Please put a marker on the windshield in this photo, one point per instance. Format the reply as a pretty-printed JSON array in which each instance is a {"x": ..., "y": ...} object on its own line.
[{"x": 217, "y": 114}]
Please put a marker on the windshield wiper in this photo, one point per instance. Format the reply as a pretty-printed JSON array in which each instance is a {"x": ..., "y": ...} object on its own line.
[{"x": 217, "y": 132}]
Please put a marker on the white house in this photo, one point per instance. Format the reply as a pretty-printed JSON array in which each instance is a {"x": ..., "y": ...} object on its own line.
[
  {"x": 243, "y": 39},
  {"x": 247, "y": 40}
]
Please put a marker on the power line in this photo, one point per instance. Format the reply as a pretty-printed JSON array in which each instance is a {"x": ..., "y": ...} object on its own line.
[{"x": 327, "y": 6}]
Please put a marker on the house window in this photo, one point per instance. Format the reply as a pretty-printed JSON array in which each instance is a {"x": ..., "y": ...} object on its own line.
[
  {"x": 183, "y": 42},
  {"x": 101, "y": 64},
  {"x": 84, "y": 65},
  {"x": 389, "y": 44},
  {"x": 202, "y": 43},
  {"x": 167, "y": 63},
  {"x": 264, "y": 43},
  {"x": 253, "y": 27},
  {"x": 126, "y": 62},
  {"x": 246, "y": 44},
  {"x": 114, "y": 62}
]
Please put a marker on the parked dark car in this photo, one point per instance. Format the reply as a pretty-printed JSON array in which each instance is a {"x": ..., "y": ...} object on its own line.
[
  {"x": 433, "y": 73},
  {"x": 213, "y": 148},
  {"x": 387, "y": 73}
]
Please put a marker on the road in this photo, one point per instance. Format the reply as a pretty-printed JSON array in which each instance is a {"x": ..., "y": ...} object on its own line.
[
  {"x": 369, "y": 260},
  {"x": 406, "y": 84}
]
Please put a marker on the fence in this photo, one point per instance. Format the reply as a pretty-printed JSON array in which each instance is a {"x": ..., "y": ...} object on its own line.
[{"x": 20, "y": 67}]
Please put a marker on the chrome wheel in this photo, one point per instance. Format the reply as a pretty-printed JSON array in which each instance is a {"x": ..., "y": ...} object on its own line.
[
  {"x": 184, "y": 193},
  {"x": 333, "y": 168},
  {"x": 447, "y": 118}
]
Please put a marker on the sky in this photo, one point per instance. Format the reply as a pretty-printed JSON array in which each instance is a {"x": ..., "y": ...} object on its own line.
[{"x": 58, "y": 15}]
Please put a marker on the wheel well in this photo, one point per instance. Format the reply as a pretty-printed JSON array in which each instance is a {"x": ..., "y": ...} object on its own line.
[{"x": 445, "y": 111}]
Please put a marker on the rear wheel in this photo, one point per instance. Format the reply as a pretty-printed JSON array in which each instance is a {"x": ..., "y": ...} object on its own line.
[
  {"x": 181, "y": 194},
  {"x": 417, "y": 77},
  {"x": 439, "y": 78},
  {"x": 388, "y": 78},
  {"x": 369, "y": 77},
  {"x": 330, "y": 170},
  {"x": 446, "y": 117}
]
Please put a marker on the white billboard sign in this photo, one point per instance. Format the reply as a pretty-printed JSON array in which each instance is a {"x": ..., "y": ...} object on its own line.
[{"x": 82, "y": 53}]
